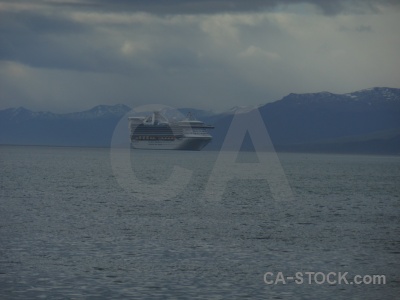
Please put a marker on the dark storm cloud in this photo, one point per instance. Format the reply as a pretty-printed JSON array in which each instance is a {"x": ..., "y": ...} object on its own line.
[
  {"x": 54, "y": 41},
  {"x": 78, "y": 53},
  {"x": 211, "y": 6},
  {"x": 47, "y": 38},
  {"x": 31, "y": 36},
  {"x": 217, "y": 6},
  {"x": 36, "y": 22}
]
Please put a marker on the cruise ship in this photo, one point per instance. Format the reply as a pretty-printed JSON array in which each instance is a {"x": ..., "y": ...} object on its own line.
[{"x": 156, "y": 132}]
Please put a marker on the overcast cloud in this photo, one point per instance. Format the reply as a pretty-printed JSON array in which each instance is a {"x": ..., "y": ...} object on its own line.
[{"x": 71, "y": 55}]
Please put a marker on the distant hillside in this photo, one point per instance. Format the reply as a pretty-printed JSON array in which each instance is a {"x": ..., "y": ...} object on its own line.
[
  {"x": 366, "y": 121},
  {"x": 94, "y": 127}
]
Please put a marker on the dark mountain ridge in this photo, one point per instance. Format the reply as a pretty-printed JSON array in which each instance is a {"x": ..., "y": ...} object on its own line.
[
  {"x": 93, "y": 127},
  {"x": 366, "y": 121},
  {"x": 318, "y": 121}
]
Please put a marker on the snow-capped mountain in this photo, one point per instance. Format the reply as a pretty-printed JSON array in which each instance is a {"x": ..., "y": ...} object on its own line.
[
  {"x": 242, "y": 109},
  {"x": 380, "y": 94},
  {"x": 375, "y": 95},
  {"x": 100, "y": 111},
  {"x": 21, "y": 114}
]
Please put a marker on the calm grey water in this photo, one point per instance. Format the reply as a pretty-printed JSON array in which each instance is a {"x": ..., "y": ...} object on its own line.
[{"x": 69, "y": 230}]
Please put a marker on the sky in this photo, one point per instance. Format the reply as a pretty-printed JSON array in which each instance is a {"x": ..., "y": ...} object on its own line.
[{"x": 70, "y": 55}]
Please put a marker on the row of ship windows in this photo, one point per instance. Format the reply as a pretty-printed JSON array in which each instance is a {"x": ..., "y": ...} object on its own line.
[
  {"x": 196, "y": 131},
  {"x": 150, "y": 138}
]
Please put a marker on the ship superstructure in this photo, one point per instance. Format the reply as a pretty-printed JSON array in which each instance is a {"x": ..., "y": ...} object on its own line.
[{"x": 156, "y": 132}]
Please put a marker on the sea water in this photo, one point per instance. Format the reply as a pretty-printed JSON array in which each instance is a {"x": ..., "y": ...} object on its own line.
[{"x": 73, "y": 226}]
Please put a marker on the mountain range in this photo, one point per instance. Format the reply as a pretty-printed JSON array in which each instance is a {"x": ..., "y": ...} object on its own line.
[{"x": 366, "y": 121}]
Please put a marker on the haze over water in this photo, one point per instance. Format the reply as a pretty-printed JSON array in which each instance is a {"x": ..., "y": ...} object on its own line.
[{"x": 69, "y": 230}]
